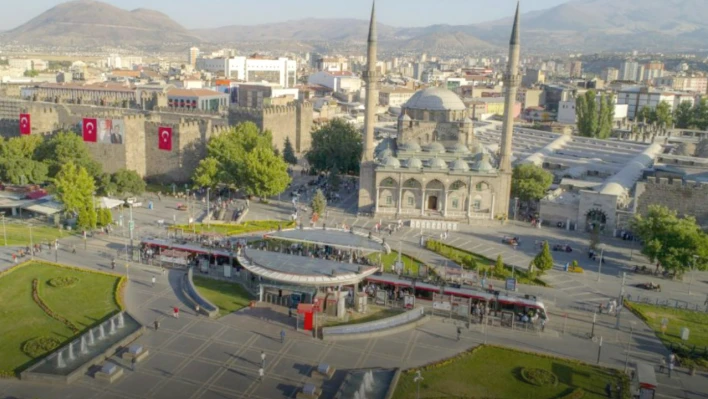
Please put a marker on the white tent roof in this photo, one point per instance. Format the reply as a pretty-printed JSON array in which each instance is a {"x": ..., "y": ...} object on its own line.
[{"x": 110, "y": 203}]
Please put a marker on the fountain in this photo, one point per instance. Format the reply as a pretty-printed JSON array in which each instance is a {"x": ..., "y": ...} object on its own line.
[
  {"x": 60, "y": 361},
  {"x": 71, "y": 351},
  {"x": 101, "y": 333},
  {"x": 368, "y": 381},
  {"x": 84, "y": 347},
  {"x": 121, "y": 323},
  {"x": 92, "y": 341},
  {"x": 113, "y": 327}
]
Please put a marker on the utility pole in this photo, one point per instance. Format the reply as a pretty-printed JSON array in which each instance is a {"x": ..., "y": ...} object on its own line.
[
  {"x": 599, "y": 351},
  {"x": 629, "y": 346},
  {"x": 31, "y": 242},
  {"x": 599, "y": 268},
  {"x": 594, "y": 320},
  {"x": 4, "y": 231}
]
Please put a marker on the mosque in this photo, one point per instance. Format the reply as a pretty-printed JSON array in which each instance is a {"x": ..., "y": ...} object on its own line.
[{"x": 437, "y": 169}]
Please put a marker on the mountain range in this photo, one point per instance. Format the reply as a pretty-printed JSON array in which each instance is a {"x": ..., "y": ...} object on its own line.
[{"x": 579, "y": 25}]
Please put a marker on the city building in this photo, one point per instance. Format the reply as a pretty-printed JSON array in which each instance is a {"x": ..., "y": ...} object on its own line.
[
  {"x": 529, "y": 97},
  {"x": 695, "y": 83},
  {"x": 333, "y": 64},
  {"x": 576, "y": 69},
  {"x": 395, "y": 96},
  {"x": 435, "y": 169},
  {"x": 338, "y": 81},
  {"x": 533, "y": 77},
  {"x": 259, "y": 95},
  {"x": 253, "y": 69},
  {"x": 201, "y": 99},
  {"x": 567, "y": 114},
  {"x": 610, "y": 74},
  {"x": 653, "y": 70},
  {"x": 629, "y": 71},
  {"x": 639, "y": 97},
  {"x": 554, "y": 94},
  {"x": 192, "y": 56}
]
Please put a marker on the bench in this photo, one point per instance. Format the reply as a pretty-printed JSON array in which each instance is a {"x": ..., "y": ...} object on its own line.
[
  {"x": 108, "y": 372},
  {"x": 309, "y": 391},
  {"x": 137, "y": 352}
]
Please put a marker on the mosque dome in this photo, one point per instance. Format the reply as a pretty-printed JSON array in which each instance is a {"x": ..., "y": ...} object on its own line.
[
  {"x": 391, "y": 163},
  {"x": 385, "y": 153},
  {"x": 435, "y": 148},
  {"x": 460, "y": 166},
  {"x": 414, "y": 163},
  {"x": 410, "y": 146},
  {"x": 483, "y": 165},
  {"x": 438, "y": 163},
  {"x": 404, "y": 117},
  {"x": 435, "y": 99},
  {"x": 459, "y": 148}
]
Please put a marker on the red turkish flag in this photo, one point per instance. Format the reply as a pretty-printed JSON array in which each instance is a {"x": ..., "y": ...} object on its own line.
[
  {"x": 165, "y": 138},
  {"x": 90, "y": 130},
  {"x": 25, "y": 124}
]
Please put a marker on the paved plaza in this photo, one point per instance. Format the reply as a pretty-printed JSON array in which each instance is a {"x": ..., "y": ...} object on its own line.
[{"x": 194, "y": 357}]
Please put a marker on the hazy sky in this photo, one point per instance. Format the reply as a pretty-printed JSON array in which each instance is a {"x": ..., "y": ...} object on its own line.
[{"x": 213, "y": 13}]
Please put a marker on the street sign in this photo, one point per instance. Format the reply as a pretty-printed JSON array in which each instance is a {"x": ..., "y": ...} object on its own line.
[
  {"x": 511, "y": 284},
  {"x": 131, "y": 225}
]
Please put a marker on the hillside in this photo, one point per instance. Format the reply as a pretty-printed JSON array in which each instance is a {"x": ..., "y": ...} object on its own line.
[{"x": 86, "y": 23}]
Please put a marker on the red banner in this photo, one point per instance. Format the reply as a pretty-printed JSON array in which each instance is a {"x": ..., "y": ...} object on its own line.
[
  {"x": 165, "y": 138},
  {"x": 90, "y": 129},
  {"x": 25, "y": 124}
]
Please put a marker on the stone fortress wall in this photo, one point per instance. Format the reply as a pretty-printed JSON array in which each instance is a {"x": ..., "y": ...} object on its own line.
[
  {"x": 685, "y": 197},
  {"x": 139, "y": 150}
]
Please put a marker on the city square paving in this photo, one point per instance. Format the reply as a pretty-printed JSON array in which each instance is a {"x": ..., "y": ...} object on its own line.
[{"x": 194, "y": 357}]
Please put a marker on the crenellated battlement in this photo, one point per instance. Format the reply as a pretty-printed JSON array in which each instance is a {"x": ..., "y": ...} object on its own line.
[
  {"x": 216, "y": 130},
  {"x": 676, "y": 183}
]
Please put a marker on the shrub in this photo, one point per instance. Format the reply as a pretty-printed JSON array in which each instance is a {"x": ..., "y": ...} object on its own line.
[
  {"x": 62, "y": 282},
  {"x": 49, "y": 312},
  {"x": 37, "y": 347},
  {"x": 538, "y": 377}
]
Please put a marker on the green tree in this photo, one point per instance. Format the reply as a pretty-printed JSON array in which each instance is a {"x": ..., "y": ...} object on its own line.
[
  {"x": 266, "y": 174},
  {"x": 18, "y": 164},
  {"x": 230, "y": 150},
  {"x": 676, "y": 243},
  {"x": 74, "y": 189},
  {"x": 700, "y": 114},
  {"x": 289, "y": 152},
  {"x": 544, "y": 260},
  {"x": 645, "y": 115},
  {"x": 207, "y": 173},
  {"x": 595, "y": 114},
  {"x": 105, "y": 185},
  {"x": 663, "y": 115},
  {"x": 499, "y": 266},
  {"x": 684, "y": 115},
  {"x": 67, "y": 147},
  {"x": 31, "y": 73},
  {"x": 104, "y": 217},
  {"x": 319, "y": 203},
  {"x": 336, "y": 145},
  {"x": 530, "y": 182},
  {"x": 595, "y": 237},
  {"x": 128, "y": 182}
]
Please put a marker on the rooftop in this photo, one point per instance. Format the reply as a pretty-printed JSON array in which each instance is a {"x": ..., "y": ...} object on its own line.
[
  {"x": 436, "y": 99},
  {"x": 193, "y": 93}
]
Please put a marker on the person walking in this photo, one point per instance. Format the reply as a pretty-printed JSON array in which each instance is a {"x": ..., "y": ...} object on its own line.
[
  {"x": 132, "y": 364},
  {"x": 260, "y": 374},
  {"x": 662, "y": 364},
  {"x": 153, "y": 281},
  {"x": 672, "y": 360},
  {"x": 282, "y": 336},
  {"x": 608, "y": 390},
  {"x": 157, "y": 324},
  {"x": 459, "y": 332},
  {"x": 263, "y": 356},
  {"x": 175, "y": 312},
  {"x": 196, "y": 309}
]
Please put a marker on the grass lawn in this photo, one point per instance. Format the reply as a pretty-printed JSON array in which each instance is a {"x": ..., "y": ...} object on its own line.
[
  {"x": 89, "y": 300},
  {"x": 495, "y": 372},
  {"x": 19, "y": 234},
  {"x": 229, "y": 297},
  {"x": 228, "y": 229},
  {"x": 409, "y": 264},
  {"x": 375, "y": 313},
  {"x": 483, "y": 263},
  {"x": 697, "y": 323}
]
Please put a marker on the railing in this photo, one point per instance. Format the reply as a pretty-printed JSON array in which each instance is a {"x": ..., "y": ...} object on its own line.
[{"x": 378, "y": 325}]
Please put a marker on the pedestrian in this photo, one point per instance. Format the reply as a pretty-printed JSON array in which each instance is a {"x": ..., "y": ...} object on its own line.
[
  {"x": 263, "y": 356},
  {"x": 608, "y": 390},
  {"x": 157, "y": 324},
  {"x": 671, "y": 364},
  {"x": 175, "y": 312},
  {"x": 662, "y": 364},
  {"x": 260, "y": 374},
  {"x": 113, "y": 264},
  {"x": 543, "y": 324},
  {"x": 153, "y": 281},
  {"x": 282, "y": 336},
  {"x": 290, "y": 312},
  {"x": 459, "y": 332},
  {"x": 132, "y": 363},
  {"x": 14, "y": 258},
  {"x": 196, "y": 309}
]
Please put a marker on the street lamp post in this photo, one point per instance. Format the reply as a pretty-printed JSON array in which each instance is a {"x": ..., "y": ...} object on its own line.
[
  {"x": 516, "y": 207},
  {"x": 690, "y": 280},
  {"x": 31, "y": 242},
  {"x": 629, "y": 346},
  {"x": 594, "y": 320},
  {"x": 4, "y": 231},
  {"x": 417, "y": 379},
  {"x": 208, "y": 215},
  {"x": 599, "y": 351},
  {"x": 599, "y": 268}
]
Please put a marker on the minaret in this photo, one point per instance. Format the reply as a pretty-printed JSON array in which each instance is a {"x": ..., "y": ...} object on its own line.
[
  {"x": 367, "y": 184},
  {"x": 371, "y": 80},
  {"x": 512, "y": 79}
]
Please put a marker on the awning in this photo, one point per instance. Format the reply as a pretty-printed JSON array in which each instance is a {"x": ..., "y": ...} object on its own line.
[
  {"x": 36, "y": 194},
  {"x": 109, "y": 203}
]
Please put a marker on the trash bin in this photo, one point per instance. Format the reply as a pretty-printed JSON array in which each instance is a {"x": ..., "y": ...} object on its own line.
[{"x": 150, "y": 205}]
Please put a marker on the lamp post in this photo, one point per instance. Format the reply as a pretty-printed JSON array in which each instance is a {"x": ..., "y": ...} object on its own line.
[
  {"x": 208, "y": 215},
  {"x": 629, "y": 345},
  {"x": 516, "y": 207},
  {"x": 31, "y": 242},
  {"x": 599, "y": 268},
  {"x": 599, "y": 350},
  {"x": 417, "y": 379},
  {"x": 693, "y": 267}
]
